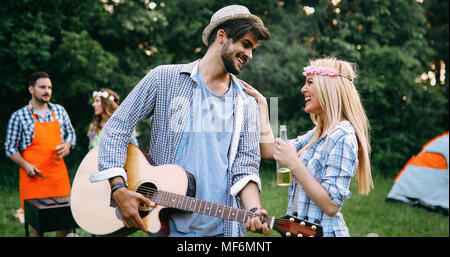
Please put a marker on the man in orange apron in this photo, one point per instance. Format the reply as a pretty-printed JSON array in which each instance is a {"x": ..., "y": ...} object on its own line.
[{"x": 44, "y": 134}]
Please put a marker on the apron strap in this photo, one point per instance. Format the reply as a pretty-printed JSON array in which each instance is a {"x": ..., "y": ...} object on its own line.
[{"x": 34, "y": 115}]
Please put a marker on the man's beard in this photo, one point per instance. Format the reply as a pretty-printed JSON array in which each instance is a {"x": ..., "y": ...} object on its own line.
[
  {"x": 42, "y": 100},
  {"x": 227, "y": 59}
]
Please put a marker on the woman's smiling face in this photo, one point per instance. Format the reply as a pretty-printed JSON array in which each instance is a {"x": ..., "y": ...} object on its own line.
[{"x": 312, "y": 104}]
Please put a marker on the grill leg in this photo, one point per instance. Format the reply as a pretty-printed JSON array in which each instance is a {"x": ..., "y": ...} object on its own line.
[{"x": 27, "y": 232}]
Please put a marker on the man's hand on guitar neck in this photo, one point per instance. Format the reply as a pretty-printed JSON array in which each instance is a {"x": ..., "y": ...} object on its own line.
[
  {"x": 128, "y": 203},
  {"x": 251, "y": 200},
  {"x": 255, "y": 225}
]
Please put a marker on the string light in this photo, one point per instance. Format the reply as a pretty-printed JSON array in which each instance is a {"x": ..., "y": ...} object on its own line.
[
  {"x": 152, "y": 5},
  {"x": 308, "y": 10},
  {"x": 442, "y": 72},
  {"x": 432, "y": 77},
  {"x": 424, "y": 76},
  {"x": 335, "y": 2},
  {"x": 109, "y": 8}
]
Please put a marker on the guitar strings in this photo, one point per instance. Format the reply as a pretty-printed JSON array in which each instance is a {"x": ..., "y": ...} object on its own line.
[
  {"x": 278, "y": 221},
  {"x": 149, "y": 191}
]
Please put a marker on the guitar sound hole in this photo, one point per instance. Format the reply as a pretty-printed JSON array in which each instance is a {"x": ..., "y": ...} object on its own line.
[{"x": 147, "y": 189}]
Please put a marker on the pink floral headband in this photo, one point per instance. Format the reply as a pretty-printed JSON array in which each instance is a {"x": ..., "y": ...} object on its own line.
[{"x": 323, "y": 71}]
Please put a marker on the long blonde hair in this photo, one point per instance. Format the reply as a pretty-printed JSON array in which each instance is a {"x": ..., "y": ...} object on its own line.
[{"x": 340, "y": 100}]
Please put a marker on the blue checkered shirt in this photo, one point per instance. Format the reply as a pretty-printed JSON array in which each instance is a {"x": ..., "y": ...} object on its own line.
[
  {"x": 333, "y": 163},
  {"x": 166, "y": 94},
  {"x": 20, "y": 131}
]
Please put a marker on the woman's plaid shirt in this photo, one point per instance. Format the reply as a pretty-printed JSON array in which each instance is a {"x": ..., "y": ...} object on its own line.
[{"x": 333, "y": 163}]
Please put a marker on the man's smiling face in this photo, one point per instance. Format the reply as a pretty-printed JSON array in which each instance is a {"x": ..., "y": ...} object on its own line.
[{"x": 236, "y": 54}]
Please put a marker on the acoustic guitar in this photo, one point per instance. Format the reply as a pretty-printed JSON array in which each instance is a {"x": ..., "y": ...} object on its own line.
[{"x": 170, "y": 187}]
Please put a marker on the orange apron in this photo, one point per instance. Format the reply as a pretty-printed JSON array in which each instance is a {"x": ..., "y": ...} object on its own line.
[{"x": 41, "y": 153}]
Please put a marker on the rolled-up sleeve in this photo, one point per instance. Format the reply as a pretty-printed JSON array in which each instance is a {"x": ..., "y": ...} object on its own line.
[
  {"x": 68, "y": 130},
  {"x": 246, "y": 164},
  {"x": 340, "y": 168},
  {"x": 13, "y": 135}
]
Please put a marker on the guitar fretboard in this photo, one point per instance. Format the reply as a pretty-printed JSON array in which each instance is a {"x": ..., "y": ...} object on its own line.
[{"x": 192, "y": 204}]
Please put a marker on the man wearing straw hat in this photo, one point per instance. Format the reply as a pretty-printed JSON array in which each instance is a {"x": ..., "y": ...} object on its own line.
[{"x": 203, "y": 122}]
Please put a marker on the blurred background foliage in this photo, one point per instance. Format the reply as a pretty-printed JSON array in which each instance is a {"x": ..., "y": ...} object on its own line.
[{"x": 401, "y": 48}]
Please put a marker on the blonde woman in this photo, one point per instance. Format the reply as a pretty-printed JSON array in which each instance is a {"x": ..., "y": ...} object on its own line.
[
  {"x": 105, "y": 103},
  {"x": 324, "y": 160}
]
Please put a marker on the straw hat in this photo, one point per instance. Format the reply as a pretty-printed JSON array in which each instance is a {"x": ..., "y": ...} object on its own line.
[{"x": 227, "y": 13}]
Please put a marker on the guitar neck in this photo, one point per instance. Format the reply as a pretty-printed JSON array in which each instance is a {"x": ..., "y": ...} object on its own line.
[{"x": 191, "y": 204}]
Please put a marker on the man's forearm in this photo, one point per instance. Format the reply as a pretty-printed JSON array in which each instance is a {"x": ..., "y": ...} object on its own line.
[
  {"x": 250, "y": 196},
  {"x": 18, "y": 159}
]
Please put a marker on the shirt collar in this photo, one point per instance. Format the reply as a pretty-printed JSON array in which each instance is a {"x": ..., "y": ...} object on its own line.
[
  {"x": 192, "y": 69},
  {"x": 50, "y": 106}
]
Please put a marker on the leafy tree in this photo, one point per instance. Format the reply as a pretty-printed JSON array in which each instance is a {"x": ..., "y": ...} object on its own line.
[
  {"x": 86, "y": 45},
  {"x": 387, "y": 39}
]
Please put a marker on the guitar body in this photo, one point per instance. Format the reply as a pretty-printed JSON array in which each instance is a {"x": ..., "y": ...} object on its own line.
[{"x": 91, "y": 202}]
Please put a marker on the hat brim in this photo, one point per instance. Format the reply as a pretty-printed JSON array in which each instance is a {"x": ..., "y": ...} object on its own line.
[{"x": 213, "y": 25}]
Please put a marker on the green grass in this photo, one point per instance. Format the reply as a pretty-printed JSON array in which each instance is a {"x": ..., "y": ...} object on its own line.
[
  {"x": 363, "y": 214},
  {"x": 373, "y": 214},
  {"x": 366, "y": 214}
]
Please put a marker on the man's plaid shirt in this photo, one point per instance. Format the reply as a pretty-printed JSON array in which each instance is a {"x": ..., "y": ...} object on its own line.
[
  {"x": 20, "y": 131},
  {"x": 166, "y": 94}
]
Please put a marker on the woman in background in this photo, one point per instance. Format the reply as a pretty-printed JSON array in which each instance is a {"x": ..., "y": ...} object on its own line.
[{"x": 105, "y": 103}]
